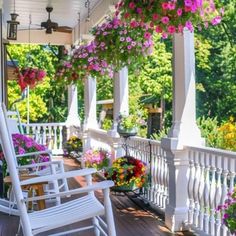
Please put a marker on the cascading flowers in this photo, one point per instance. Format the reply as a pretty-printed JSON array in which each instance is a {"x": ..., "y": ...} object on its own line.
[
  {"x": 171, "y": 16},
  {"x": 122, "y": 44},
  {"x": 84, "y": 62}
]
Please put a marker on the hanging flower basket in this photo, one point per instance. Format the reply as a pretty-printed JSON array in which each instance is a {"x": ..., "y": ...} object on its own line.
[
  {"x": 29, "y": 77},
  {"x": 122, "y": 44},
  {"x": 170, "y": 16},
  {"x": 84, "y": 62}
]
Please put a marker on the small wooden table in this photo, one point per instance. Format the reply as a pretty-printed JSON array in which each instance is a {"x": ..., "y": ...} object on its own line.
[{"x": 38, "y": 187}]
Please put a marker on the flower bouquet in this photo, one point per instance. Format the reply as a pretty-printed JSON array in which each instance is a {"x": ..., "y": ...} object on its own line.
[
  {"x": 127, "y": 173},
  {"x": 228, "y": 212},
  {"x": 29, "y": 77},
  {"x": 24, "y": 144},
  {"x": 170, "y": 16},
  {"x": 97, "y": 158},
  {"x": 121, "y": 44},
  {"x": 73, "y": 144}
]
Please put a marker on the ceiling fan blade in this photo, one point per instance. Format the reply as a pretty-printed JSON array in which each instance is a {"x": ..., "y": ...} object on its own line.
[{"x": 63, "y": 29}]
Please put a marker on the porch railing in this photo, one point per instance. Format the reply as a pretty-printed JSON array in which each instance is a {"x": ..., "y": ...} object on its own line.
[
  {"x": 149, "y": 151},
  {"x": 49, "y": 134},
  {"x": 212, "y": 174}
]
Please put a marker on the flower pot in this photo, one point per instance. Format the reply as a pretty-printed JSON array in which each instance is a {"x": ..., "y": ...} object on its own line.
[
  {"x": 124, "y": 188},
  {"x": 127, "y": 132}
]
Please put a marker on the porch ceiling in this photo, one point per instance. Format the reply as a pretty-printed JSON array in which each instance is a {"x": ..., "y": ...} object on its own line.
[{"x": 65, "y": 13}]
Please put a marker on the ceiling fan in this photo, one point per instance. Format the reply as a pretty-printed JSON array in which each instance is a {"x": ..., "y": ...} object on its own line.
[{"x": 51, "y": 26}]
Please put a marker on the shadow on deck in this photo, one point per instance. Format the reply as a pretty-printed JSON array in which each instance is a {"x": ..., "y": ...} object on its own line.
[{"x": 131, "y": 217}]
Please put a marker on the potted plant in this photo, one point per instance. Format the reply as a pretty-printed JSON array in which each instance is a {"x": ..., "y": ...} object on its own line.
[
  {"x": 127, "y": 173},
  {"x": 228, "y": 212},
  {"x": 72, "y": 146},
  {"x": 97, "y": 158},
  {"x": 169, "y": 17},
  {"x": 128, "y": 124}
]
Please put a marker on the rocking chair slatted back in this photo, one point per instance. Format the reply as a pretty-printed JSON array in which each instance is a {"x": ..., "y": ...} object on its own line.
[{"x": 8, "y": 151}]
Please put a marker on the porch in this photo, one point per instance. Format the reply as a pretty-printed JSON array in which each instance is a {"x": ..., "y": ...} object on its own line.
[{"x": 132, "y": 216}]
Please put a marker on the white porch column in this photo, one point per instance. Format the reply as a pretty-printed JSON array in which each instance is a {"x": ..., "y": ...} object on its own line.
[
  {"x": 184, "y": 130},
  {"x": 121, "y": 97},
  {"x": 90, "y": 103},
  {"x": 73, "y": 120},
  {"x": 120, "y": 106}
]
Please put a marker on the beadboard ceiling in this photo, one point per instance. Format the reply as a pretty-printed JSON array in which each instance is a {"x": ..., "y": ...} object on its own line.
[{"x": 65, "y": 12}]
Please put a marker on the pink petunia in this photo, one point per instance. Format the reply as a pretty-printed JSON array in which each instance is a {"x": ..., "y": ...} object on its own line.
[
  {"x": 132, "y": 5},
  {"x": 189, "y": 25},
  {"x": 171, "y": 29},
  {"x": 216, "y": 20},
  {"x": 139, "y": 10},
  {"x": 155, "y": 16},
  {"x": 165, "y": 20},
  {"x": 158, "y": 29},
  {"x": 179, "y": 12},
  {"x": 165, "y": 5},
  {"x": 147, "y": 35}
]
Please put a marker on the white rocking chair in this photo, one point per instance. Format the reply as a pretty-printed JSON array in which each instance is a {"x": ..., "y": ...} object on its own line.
[
  {"x": 86, "y": 207},
  {"x": 52, "y": 167}
]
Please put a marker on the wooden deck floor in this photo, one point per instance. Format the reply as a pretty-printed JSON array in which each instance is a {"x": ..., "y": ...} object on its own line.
[{"x": 131, "y": 217}]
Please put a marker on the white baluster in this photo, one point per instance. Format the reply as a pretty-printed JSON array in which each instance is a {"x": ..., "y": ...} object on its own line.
[
  {"x": 166, "y": 174},
  {"x": 217, "y": 200},
  {"x": 206, "y": 195},
  {"x": 55, "y": 137},
  {"x": 195, "y": 189},
  {"x": 60, "y": 137},
  {"x": 212, "y": 202},
  {"x": 190, "y": 189},
  {"x": 49, "y": 137},
  {"x": 200, "y": 192},
  {"x": 44, "y": 128}
]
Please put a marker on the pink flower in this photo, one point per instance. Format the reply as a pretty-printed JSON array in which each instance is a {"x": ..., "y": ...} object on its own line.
[
  {"x": 171, "y": 6},
  {"x": 139, "y": 10},
  {"x": 189, "y": 25},
  {"x": 129, "y": 47},
  {"x": 164, "y": 35},
  {"x": 133, "y": 24},
  {"x": 147, "y": 35},
  {"x": 165, "y": 5},
  {"x": 171, "y": 29},
  {"x": 165, "y": 20},
  {"x": 179, "y": 12},
  {"x": 216, "y": 20},
  {"x": 155, "y": 16},
  {"x": 132, "y": 5},
  {"x": 158, "y": 29}
]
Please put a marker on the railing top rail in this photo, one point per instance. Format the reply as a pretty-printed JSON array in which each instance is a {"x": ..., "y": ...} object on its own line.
[
  {"x": 151, "y": 141},
  {"x": 214, "y": 151},
  {"x": 45, "y": 124},
  {"x": 99, "y": 131}
]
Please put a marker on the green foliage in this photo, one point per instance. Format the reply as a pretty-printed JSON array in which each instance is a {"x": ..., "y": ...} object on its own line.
[
  {"x": 107, "y": 124},
  {"x": 216, "y": 67},
  {"x": 209, "y": 130}
]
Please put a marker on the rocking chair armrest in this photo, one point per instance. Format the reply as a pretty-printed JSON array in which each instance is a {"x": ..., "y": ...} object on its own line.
[
  {"x": 34, "y": 153},
  {"x": 106, "y": 184},
  {"x": 68, "y": 174},
  {"x": 48, "y": 163}
]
